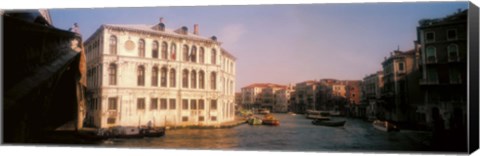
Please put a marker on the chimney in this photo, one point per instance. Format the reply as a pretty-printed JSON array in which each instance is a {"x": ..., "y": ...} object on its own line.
[
  {"x": 185, "y": 30},
  {"x": 160, "y": 25},
  {"x": 195, "y": 29}
]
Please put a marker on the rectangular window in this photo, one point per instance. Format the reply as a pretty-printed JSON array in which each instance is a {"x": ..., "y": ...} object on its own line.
[
  {"x": 141, "y": 104},
  {"x": 213, "y": 105},
  {"x": 185, "y": 104},
  {"x": 193, "y": 104},
  {"x": 111, "y": 120},
  {"x": 201, "y": 118},
  {"x": 185, "y": 118},
  {"x": 201, "y": 104},
  {"x": 451, "y": 34},
  {"x": 214, "y": 118},
  {"x": 112, "y": 103},
  {"x": 153, "y": 103},
  {"x": 431, "y": 54},
  {"x": 163, "y": 104},
  {"x": 432, "y": 76},
  {"x": 430, "y": 36},
  {"x": 173, "y": 104},
  {"x": 455, "y": 76},
  {"x": 401, "y": 66},
  {"x": 99, "y": 102}
]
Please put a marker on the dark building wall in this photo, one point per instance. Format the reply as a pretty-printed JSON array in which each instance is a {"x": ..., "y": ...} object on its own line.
[{"x": 41, "y": 77}]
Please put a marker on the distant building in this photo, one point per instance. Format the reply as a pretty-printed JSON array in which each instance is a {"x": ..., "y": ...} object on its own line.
[
  {"x": 443, "y": 65},
  {"x": 238, "y": 100},
  {"x": 353, "y": 96},
  {"x": 140, "y": 74},
  {"x": 305, "y": 96},
  {"x": 371, "y": 88},
  {"x": 264, "y": 95},
  {"x": 398, "y": 92},
  {"x": 282, "y": 99}
]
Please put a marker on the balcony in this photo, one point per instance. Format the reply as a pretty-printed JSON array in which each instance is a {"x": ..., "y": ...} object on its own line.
[
  {"x": 429, "y": 82},
  {"x": 452, "y": 59},
  {"x": 457, "y": 81},
  {"x": 431, "y": 60},
  {"x": 112, "y": 113}
]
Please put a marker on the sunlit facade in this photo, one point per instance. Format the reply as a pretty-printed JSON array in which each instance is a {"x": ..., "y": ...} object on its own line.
[{"x": 148, "y": 75}]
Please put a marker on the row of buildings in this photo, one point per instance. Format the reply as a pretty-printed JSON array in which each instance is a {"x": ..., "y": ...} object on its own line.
[
  {"x": 149, "y": 75},
  {"x": 423, "y": 87},
  {"x": 271, "y": 96},
  {"x": 426, "y": 86},
  {"x": 342, "y": 96}
]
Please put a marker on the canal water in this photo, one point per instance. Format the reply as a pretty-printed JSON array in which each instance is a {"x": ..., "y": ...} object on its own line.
[{"x": 295, "y": 133}]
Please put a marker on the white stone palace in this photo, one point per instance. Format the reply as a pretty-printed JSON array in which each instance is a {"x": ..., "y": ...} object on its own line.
[{"x": 140, "y": 75}]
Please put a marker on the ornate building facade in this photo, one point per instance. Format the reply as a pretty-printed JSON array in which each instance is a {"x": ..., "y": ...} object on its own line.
[{"x": 149, "y": 75}]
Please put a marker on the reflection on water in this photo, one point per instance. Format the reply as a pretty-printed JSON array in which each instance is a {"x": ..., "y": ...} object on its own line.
[{"x": 295, "y": 133}]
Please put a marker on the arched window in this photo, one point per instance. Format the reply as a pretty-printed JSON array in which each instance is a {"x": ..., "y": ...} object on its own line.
[
  {"x": 453, "y": 53},
  {"x": 231, "y": 87},
  {"x": 223, "y": 83},
  {"x": 173, "y": 77},
  {"x": 193, "y": 54},
  {"x": 155, "y": 49},
  {"x": 193, "y": 82},
  {"x": 185, "y": 53},
  {"x": 163, "y": 77},
  {"x": 154, "y": 76},
  {"x": 201, "y": 79},
  {"x": 431, "y": 55},
  {"x": 201, "y": 55},
  {"x": 141, "y": 48},
  {"x": 141, "y": 76},
  {"x": 185, "y": 78},
  {"x": 173, "y": 51},
  {"x": 164, "y": 50},
  {"x": 112, "y": 74},
  {"x": 214, "y": 56},
  {"x": 213, "y": 81},
  {"x": 113, "y": 45}
]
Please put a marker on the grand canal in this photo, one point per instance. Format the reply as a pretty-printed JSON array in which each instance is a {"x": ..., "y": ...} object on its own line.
[{"x": 294, "y": 134}]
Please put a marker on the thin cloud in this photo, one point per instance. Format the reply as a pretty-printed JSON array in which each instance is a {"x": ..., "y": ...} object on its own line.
[{"x": 232, "y": 33}]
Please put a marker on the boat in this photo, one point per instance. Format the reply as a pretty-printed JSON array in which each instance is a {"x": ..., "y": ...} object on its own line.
[
  {"x": 270, "y": 120},
  {"x": 125, "y": 132},
  {"x": 384, "y": 126},
  {"x": 334, "y": 113},
  {"x": 317, "y": 115},
  {"x": 254, "y": 121},
  {"x": 263, "y": 111},
  {"x": 292, "y": 113},
  {"x": 331, "y": 123}
]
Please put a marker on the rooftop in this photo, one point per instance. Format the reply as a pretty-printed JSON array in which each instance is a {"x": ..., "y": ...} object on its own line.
[
  {"x": 460, "y": 15},
  {"x": 265, "y": 85}
]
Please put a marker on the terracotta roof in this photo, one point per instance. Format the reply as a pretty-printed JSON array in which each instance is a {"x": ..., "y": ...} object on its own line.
[
  {"x": 265, "y": 85},
  {"x": 149, "y": 29}
]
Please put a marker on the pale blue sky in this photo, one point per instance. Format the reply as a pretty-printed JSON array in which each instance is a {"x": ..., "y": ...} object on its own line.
[{"x": 286, "y": 43}]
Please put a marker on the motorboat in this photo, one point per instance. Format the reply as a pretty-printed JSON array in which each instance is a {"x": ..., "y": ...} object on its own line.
[
  {"x": 263, "y": 111},
  {"x": 269, "y": 119},
  {"x": 254, "y": 121},
  {"x": 384, "y": 126},
  {"x": 331, "y": 123}
]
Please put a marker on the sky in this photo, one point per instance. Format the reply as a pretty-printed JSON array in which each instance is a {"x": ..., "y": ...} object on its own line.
[{"x": 285, "y": 44}]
